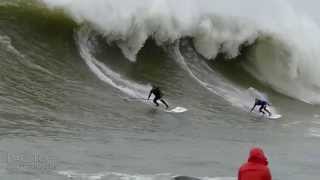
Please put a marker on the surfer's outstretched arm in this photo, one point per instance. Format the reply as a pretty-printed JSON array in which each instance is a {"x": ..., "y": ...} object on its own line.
[
  {"x": 253, "y": 107},
  {"x": 149, "y": 94}
]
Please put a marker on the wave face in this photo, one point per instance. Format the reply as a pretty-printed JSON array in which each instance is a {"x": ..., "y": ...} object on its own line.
[
  {"x": 283, "y": 52},
  {"x": 131, "y": 23},
  {"x": 64, "y": 70},
  {"x": 86, "y": 40},
  {"x": 278, "y": 49}
]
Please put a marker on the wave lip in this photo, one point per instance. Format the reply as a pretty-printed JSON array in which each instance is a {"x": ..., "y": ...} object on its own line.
[
  {"x": 104, "y": 73},
  {"x": 129, "y": 24},
  {"x": 288, "y": 63}
]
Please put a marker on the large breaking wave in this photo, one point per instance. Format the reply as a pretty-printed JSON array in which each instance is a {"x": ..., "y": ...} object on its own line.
[{"x": 283, "y": 51}]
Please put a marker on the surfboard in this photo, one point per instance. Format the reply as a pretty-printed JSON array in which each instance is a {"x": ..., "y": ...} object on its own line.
[
  {"x": 177, "y": 109},
  {"x": 274, "y": 116}
]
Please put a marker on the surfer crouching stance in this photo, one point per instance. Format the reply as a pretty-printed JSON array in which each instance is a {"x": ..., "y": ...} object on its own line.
[
  {"x": 157, "y": 96},
  {"x": 263, "y": 106}
]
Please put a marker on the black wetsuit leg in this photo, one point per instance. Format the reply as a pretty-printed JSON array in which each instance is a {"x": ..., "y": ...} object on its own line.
[
  {"x": 261, "y": 108},
  {"x": 265, "y": 109},
  {"x": 164, "y": 102},
  {"x": 155, "y": 100}
]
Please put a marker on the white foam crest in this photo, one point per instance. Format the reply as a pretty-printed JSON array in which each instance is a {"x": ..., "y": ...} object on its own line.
[
  {"x": 237, "y": 96},
  {"x": 129, "y": 23},
  {"x": 215, "y": 26},
  {"x": 106, "y": 74},
  {"x": 123, "y": 176},
  {"x": 288, "y": 60},
  {"x": 6, "y": 42},
  {"x": 314, "y": 132},
  {"x": 224, "y": 36},
  {"x": 115, "y": 176}
]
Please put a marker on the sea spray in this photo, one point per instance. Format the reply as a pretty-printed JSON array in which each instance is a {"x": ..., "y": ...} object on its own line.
[{"x": 215, "y": 27}]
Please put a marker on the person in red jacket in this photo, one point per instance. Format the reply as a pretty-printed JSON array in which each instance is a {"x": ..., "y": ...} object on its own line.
[{"x": 256, "y": 168}]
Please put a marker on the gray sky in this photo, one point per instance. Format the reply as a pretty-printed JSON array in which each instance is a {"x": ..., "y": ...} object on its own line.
[{"x": 310, "y": 7}]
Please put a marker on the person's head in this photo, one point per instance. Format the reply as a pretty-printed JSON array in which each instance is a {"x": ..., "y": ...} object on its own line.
[{"x": 257, "y": 155}]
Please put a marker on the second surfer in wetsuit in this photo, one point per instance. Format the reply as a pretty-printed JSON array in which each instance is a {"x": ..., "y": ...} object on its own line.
[
  {"x": 263, "y": 106},
  {"x": 157, "y": 96}
]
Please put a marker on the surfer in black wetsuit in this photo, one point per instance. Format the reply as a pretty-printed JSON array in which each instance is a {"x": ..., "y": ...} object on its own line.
[
  {"x": 157, "y": 96},
  {"x": 263, "y": 106}
]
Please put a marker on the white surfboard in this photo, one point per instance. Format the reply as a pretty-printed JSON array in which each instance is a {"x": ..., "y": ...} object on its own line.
[
  {"x": 274, "y": 113},
  {"x": 274, "y": 116},
  {"x": 177, "y": 110}
]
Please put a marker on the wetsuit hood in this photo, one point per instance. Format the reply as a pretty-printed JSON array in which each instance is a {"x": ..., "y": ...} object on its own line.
[{"x": 257, "y": 156}]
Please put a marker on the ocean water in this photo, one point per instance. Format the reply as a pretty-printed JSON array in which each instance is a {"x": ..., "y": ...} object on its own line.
[{"x": 74, "y": 75}]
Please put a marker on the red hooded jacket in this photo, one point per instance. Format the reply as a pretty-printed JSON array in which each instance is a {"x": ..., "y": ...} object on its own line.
[{"x": 256, "y": 168}]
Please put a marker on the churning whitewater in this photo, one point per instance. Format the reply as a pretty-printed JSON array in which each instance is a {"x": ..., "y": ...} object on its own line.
[
  {"x": 76, "y": 75},
  {"x": 282, "y": 52}
]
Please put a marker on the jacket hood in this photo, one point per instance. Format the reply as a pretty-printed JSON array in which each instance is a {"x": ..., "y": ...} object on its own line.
[{"x": 257, "y": 156}]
